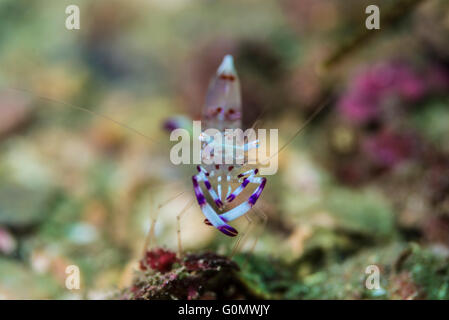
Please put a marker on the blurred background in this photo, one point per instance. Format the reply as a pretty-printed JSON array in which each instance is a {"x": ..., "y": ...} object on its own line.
[{"x": 366, "y": 182}]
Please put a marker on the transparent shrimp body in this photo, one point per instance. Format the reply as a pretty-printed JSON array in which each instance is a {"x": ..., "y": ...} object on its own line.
[
  {"x": 222, "y": 111},
  {"x": 223, "y": 107}
]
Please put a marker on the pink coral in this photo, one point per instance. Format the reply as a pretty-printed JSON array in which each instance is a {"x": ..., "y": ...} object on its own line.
[
  {"x": 387, "y": 149},
  {"x": 371, "y": 89},
  {"x": 159, "y": 259}
]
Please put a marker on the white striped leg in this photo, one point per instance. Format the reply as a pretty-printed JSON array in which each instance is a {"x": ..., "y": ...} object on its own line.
[
  {"x": 244, "y": 207},
  {"x": 210, "y": 214},
  {"x": 247, "y": 205},
  {"x": 202, "y": 176},
  {"x": 244, "y": 183}
]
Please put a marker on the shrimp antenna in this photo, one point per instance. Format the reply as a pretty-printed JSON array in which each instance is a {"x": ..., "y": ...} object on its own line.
[
  {"x": 305, "y": 124},
  {"x": 73, "y": 106}
]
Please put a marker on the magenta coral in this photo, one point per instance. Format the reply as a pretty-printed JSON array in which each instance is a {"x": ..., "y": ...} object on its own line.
[
  {"x": 159, "y": 259},
  {"x": 388, "y": 149},
  {"x": 374, "y": 87}
]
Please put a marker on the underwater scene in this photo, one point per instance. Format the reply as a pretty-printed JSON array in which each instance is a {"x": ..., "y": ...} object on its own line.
[{"x": 120, "y": 177}]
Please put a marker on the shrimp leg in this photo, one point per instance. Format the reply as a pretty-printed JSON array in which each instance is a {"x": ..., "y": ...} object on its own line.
[{"x": 209, "y": 212}]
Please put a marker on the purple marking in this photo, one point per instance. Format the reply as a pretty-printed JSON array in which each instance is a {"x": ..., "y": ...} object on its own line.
[
  {"x": 231, "y": 197},
  {"x": 171, "y": 125},
  {"x": 201, "y": 199},
  {"x": 199, "y": 195},
  {"x": 219, "y": 203},
  {"x": 245, "y": 183},
  {"x": 253, "y": 199},
  {"x": 195, "y": 182},
  {"x": 240, "y": 175},
  {"x": 210, "y": 224},
  {"x": 233, "y": 116},
  {"x": 207, "y": 184},
  {"x": 198, "y": 168},
  {"x": 228, "y": 230}
]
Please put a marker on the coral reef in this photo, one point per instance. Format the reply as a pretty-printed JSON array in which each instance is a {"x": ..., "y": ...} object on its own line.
[
  {"x": 195, "y": 276},
  {"x": 405, "y": 272}
]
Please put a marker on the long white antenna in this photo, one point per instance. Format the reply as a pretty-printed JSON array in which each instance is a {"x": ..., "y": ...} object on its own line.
[{"x": 55, "y": 101}]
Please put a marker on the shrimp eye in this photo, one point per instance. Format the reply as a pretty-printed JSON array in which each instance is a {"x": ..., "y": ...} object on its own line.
[{"x": 231, "y": 111}]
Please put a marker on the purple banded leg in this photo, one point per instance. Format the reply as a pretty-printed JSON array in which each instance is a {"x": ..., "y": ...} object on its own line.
[
  {"x": 249, "y": 172},
  {"x": 228, "y": 181},
  {"x": 203, "y": 177},
  {"x": 243, "y": 208},
  {"x": 256, "y": 194},
  {"x": 210, "y": 213},
  {"x": 243, "y": 185}
]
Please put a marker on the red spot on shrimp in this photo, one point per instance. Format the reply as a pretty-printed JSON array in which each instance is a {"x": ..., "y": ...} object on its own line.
[
  {"x": 227, "y": 77},
  {"x": 232, "y": 114}
]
